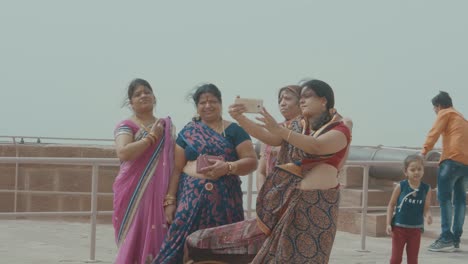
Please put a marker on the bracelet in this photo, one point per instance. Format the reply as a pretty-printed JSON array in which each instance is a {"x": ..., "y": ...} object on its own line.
[
  {"x": 229, "y": 167},
  {"x": 289, "y": 135},
  {"x": 169, "y": 202},
  {"x": 170, "y": 197}
]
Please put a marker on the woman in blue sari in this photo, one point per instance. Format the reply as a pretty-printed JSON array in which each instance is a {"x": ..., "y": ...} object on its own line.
[{"x": 212, "y": 196}]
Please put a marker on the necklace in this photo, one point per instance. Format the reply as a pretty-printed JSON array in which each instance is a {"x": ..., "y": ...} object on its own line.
[
  {"x": 220, "y": 129},
  {"x": 142, "y": 125}
]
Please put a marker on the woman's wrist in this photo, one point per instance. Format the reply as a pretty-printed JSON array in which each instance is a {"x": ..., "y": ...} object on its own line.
[
  {"x": 169, "y": 200},
  {"x": 231, "y": 168}
]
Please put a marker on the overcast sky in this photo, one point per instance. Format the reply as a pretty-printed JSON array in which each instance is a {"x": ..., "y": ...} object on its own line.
[{"x": 65, "y": 65}]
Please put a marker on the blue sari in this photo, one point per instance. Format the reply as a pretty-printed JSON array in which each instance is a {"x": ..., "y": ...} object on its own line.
[{"x": 202, "y": 203}]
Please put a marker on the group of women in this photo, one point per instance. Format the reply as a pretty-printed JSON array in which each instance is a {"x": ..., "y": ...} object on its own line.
[{"x": 178, "y": 199}]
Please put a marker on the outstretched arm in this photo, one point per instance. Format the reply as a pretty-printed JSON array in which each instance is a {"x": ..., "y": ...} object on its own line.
[
  {"x": 439, "y": 125},
  {"x": 330, "y": 142},
  {"x": 255, "y": 130}
]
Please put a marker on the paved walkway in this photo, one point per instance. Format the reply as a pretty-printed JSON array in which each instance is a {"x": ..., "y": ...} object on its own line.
[{"x": 49, "y": 242}]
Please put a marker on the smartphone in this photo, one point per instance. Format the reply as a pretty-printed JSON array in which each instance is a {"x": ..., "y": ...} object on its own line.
[{"x": 252, "y": 105}]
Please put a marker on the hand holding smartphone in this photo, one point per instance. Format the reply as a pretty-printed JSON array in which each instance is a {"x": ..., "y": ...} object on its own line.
[{"x": 252, "y": 105}]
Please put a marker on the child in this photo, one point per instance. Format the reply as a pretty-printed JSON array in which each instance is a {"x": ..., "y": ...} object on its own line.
[{"x": 412, "y": 199}]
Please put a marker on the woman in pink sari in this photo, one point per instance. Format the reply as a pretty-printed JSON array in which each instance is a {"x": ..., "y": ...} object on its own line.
[{"x": 145, "y": 147}]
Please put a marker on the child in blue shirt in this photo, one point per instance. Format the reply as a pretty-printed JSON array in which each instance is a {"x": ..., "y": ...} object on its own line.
[{"x": 406, "y": 211}]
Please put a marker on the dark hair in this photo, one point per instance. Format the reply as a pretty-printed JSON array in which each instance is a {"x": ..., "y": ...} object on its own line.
[
  {"x": 321, "y": 89},
  {"x": 442, "y": 99},
  {"x": 294, "y": 89},
  {"x": 412, "y": 158},
  {"x": 206, "y": 88}
]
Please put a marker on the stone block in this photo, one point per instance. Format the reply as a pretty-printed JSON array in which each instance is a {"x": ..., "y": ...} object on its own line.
[
  {"x": 7, "y": 177},
  {"x": 7, "y": 202}
]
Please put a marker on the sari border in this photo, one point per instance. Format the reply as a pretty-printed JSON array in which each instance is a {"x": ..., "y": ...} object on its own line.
[{"x": 262, "y": 226}]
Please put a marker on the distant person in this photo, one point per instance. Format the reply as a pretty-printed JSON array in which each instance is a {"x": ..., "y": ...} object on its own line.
[
  {"x": 207, "y": 196},
  {"x": 452, "y": 176},
  {"x": 412, "y": 199},
  {"x": 145, "y": 147},
  {"x": 288, "y": 103}
]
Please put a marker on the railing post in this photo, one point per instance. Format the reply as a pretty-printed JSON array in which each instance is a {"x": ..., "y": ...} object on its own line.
[
  {"x": 15, "y": 199},
  {"x": 249, "y": 194},
  {"x": 365, "y": 190},
  {"x": 94, "y": 187}
]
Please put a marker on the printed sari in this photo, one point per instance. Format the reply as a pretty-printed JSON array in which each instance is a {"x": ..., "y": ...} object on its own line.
[
  {"x": 293, "y": 225},
  {"x": 139, "y": 191},
  {"x": 300, "y": 224},
  {"x": 202, "y": 203}
]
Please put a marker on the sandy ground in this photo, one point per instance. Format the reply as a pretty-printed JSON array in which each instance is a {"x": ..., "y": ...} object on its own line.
[{"x": 28, "y": 241}]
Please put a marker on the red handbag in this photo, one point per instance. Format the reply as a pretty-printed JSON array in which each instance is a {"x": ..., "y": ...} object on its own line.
[{"x": 203, "y": 161}]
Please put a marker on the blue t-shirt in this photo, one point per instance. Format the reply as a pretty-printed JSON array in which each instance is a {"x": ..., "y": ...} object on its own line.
[{"x": 410, "y": 206}]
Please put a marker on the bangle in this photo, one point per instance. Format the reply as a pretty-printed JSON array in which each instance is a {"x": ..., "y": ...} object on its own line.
[
  {"x": 170, "y": 197},
  {"x": 289, "y": 135},
  {"x": 229, "y": 167},
  {"x": 169, "y": 202}
]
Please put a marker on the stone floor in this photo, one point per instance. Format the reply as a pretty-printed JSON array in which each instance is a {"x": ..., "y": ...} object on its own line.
[{"x": 28, "y": 241}]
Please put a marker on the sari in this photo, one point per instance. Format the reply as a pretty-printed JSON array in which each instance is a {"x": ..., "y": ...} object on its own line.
[
  {"x": 139, "y": 191},
  {"x": 300, "y": 224},
  {"x": 202, "y": 203},
  {"x": 292, "y": 225}
]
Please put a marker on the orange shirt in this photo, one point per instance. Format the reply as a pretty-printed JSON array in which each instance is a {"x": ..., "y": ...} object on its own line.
[{"x": 454, "y": 130}]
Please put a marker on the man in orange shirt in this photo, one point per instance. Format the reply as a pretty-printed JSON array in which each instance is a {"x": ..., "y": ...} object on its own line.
[{"x": 452, "y": 178}]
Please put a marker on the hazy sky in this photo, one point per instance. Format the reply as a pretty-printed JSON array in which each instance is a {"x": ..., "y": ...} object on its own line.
[{"x": 65, "y": 65}]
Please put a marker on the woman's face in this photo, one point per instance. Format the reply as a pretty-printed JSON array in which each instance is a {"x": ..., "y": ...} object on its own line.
[
  {"x": 142, "y": 99},
  {"x": 311, "y": 104},
  {"x": 209, "y": 107},
  {"x": 289, "y": 105}
]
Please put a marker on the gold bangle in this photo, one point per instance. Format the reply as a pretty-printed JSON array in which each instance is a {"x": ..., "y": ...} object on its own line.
[
  {"x": 229, "y": 168},
  {"x": 170, "y": 197},
  {"x": 170, "y": 202},
  {"x": 289, "y": 135}
]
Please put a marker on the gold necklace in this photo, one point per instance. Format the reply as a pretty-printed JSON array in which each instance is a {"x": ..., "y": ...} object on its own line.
[
  {"x": 142, "y": 125},
  {"x": 220, "y": 129}
]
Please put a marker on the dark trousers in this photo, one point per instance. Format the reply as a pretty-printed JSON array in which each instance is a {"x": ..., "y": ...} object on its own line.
[{"x": 411, "y": 237}]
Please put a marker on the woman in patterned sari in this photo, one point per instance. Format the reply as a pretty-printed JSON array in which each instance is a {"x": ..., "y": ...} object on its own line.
[
  {"x": 297, "y": 207},
  {"x": 145, "y": 146},
  {"x": 211, "y": 196}
]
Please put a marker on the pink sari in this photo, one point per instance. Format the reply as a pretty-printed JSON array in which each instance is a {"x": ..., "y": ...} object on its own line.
[{"x": 139, "y": 191}]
